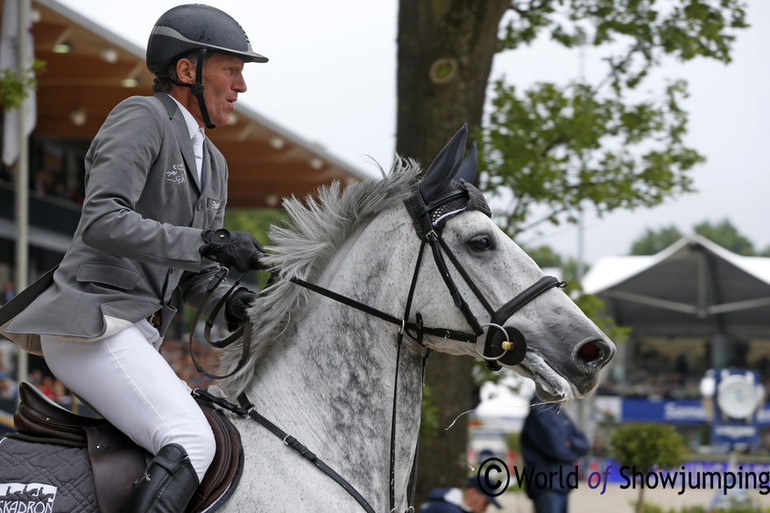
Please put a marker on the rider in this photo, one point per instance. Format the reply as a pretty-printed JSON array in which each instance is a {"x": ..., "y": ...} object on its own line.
[{"x": 155, "y": 196}]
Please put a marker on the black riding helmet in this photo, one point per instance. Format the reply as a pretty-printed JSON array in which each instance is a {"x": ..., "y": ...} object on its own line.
[{"x": 190, "y": 27}]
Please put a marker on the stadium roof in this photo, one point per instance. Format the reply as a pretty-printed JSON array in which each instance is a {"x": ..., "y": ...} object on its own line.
[
  {"x": 692, "y": 288},
  {"x": 98, "y": 69}
]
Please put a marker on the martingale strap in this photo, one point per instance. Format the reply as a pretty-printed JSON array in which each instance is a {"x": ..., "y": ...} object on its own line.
[
  {"x": 303, "y": 451},
  {"x": 245, "y": 408}
]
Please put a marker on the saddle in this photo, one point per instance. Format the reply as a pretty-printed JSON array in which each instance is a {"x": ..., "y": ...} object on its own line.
[{"x": 117, "y": 461}]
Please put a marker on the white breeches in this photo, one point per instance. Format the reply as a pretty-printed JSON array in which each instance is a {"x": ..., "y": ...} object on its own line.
[{"x": 130, "y": 384}]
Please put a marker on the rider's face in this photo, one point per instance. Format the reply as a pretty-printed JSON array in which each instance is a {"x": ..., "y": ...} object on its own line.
[{"x": 222, "y": 81}]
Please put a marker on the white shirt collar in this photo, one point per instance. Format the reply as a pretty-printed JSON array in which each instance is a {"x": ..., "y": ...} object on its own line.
[{"x": 192, "y": 125}]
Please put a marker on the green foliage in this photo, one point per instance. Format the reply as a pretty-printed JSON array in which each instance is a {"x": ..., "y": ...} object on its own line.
[
  {"x": 646, "y": 446},
  {"x": 726, "y": 235},
  {"x": 653, "y": 241},
  {"x": 429, "y": 421},
  {"x": 545, "y": 256},
  {"x": 256, "y": 221},
  {"x": 561, "y": 148},
  {"x": 15, "y": 86},
  {"x": 643, "y": 447},
  {"x": 641, "y": 32},
  {"x": 723, "y": 233},
  {"x": 513, "y": 442}
]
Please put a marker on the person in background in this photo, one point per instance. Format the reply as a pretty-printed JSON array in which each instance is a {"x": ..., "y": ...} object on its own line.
[
  {"x": 468, "y": 499},
  {"x": 550, "y": 443},
  {"x": 152, "y": 222},
  {"x": 8, "y": 292}
]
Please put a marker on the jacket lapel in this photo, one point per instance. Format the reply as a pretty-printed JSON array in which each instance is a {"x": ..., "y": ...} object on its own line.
[{"x": 182, "y": 135}]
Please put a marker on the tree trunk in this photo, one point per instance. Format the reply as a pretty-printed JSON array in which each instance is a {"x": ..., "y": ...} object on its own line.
[
  {"x": 445, "y": 51},
  {"x": 640, "y": 500}
]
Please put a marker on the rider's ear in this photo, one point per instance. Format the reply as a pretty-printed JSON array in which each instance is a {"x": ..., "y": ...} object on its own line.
[{"x": 185, "y": 71}]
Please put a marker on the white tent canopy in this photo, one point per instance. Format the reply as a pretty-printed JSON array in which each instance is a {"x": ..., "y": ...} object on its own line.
[{"x": 693, "y": 288}]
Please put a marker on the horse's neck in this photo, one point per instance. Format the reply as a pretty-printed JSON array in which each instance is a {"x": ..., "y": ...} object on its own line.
[{"x": 330, "y": 381}]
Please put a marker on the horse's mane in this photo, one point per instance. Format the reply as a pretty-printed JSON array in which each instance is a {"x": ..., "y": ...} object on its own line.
[{"x": 318, "y": 227}]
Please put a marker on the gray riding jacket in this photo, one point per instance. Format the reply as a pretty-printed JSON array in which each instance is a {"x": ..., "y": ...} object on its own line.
[{"x": 139, "y": 231}]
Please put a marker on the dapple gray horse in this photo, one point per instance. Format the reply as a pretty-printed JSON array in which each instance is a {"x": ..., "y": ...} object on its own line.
[{"x": 325, "y": 371}]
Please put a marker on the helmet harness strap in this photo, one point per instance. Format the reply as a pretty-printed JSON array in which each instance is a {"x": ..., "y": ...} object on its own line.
[{"x": 197, "y": 89}]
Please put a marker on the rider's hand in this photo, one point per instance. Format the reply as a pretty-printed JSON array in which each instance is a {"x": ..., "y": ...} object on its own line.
[
  {"x": 237, "y": 250},
  {"x": 235, "y": 308}
]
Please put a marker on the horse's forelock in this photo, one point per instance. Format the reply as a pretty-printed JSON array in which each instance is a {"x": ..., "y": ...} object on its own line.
[{"x": 318, "y": 227}]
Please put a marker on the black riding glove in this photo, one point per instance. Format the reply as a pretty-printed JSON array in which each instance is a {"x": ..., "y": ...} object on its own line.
[
  {"x": 237, "y": 250},
  {"x": 235, "y": 308}
]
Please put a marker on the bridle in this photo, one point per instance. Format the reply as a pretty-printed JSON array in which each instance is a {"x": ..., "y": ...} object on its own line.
[{"x": 502, "y": 344}]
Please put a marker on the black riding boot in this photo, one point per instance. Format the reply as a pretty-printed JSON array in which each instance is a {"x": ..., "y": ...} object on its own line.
[{"x": 167, "y": 484}]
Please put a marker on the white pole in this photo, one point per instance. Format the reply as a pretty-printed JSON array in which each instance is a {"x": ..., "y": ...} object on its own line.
[{"x": 22, "y": 186}]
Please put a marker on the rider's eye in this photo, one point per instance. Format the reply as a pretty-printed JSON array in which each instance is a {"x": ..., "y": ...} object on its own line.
[{"x": 483, "y": 242}]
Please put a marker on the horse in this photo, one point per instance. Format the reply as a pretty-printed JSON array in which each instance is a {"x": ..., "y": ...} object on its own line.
[
  {"x": 327, "y": 371},
  {"x": 371, "y": 278}
]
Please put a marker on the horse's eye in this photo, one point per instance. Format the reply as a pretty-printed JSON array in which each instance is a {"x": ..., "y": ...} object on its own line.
[{"x": 483, "y": 242}]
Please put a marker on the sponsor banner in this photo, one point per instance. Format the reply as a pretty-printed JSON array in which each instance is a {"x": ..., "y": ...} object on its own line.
[{"x": 674, "y": 411}]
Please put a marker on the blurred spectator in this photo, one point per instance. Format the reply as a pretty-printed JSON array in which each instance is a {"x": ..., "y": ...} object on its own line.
[
  {"x": 47, "y": 387},
  {"x": 8, "y": 387},
  {"x": 551, "y": 444},
  {"x": 60, "y": 395},
  {"x": 8, "y": 293},
  {"x": 468, "y": 499}
]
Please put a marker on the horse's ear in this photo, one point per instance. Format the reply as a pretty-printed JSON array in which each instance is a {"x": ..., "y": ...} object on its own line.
[
  {"x": 445, "y": 166},
  {"x": 467, "y": 169}
]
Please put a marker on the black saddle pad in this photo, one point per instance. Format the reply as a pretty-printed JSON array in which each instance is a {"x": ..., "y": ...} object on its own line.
[{"x": 36, "y": 477}]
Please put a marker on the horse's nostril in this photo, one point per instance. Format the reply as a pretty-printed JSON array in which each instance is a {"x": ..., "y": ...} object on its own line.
[
  {"x": 594, "y": 354},
  {"x": 589, "y": 351}
]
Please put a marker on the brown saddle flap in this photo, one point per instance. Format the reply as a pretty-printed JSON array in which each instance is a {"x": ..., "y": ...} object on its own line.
[
  {"x": 117, "y": 461},
  {"x": 40, "y": 417}
]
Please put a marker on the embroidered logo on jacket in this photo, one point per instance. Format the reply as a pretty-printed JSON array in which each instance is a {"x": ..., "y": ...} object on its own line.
[{"x": 177, "y": 173}]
